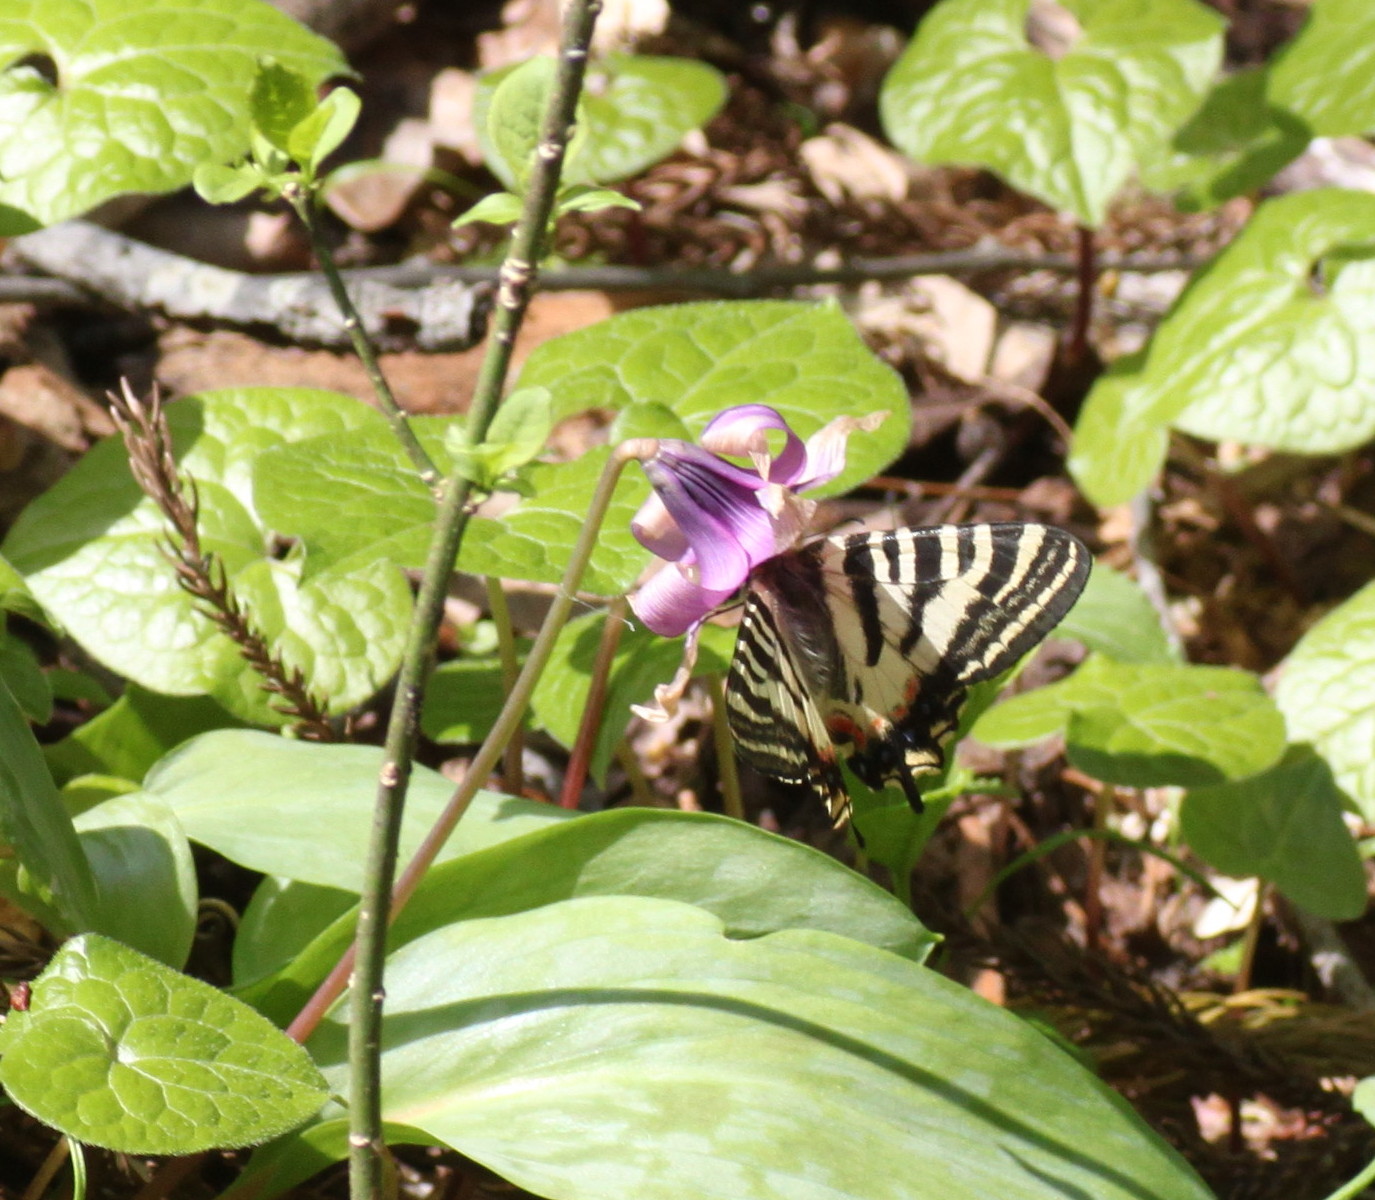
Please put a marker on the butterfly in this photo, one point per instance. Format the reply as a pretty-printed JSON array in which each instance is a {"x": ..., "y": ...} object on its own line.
[{"x": 864, "y": 646}]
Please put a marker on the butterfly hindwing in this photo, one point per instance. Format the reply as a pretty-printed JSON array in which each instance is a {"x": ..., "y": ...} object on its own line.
[{"x": 865, "y": 645}]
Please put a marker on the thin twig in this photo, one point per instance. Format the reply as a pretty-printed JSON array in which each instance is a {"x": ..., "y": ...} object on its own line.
[
  {"x": 513, "y": 768},
  {"x": 516, "y": 285},
  {"x": 305, "y": 203},
  {"x": 201, "y": 572}
]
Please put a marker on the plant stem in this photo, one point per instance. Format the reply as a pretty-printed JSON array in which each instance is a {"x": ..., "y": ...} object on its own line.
[
  {"x": 592, "y": 712},
  {"x": 732, "y": 803},
  {"x": 512, "y": 770},
  {"x": 1104, "y": 799},
  {"x": 517, "y": 281},
  {"x": 509, "y": 720},
  {"x": 1077, "y": 343},
  {"x": 304, "y": 204},
  {"x": 1249, "y": 942},
  {"x": 1355, "y": 1187}
]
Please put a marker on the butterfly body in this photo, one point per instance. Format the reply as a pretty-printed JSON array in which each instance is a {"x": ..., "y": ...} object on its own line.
[{"x": 864, "y": 646}]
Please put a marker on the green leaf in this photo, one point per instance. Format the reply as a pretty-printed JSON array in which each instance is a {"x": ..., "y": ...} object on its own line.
[
  {"x": 1284, "y": 825},
  {"x": 463, "y": 700},
  {"x": 150, "y": 1061},
  {"x": 145, "y": 875},
  {"x": 798, "y": 1064},
  {"x": 805, "y": 360},
  {"x": 279, "y": 101},
  {"x": 248, "y": 795},
  {"x": 636, "y": 109},
  {"x": 1363, "y": 1098},
  {"x": 592, "y": 199},
  {"x": 322, "y": 132},
  {"x": 1254, "y": 350},
  {"x": 281, "y": 920},
  {"x": 516, "y": 436},
  {"x": 35, "y": 826},
  {"x": 1115, "y": 617},
  {"x": 143, "y": 95},
  {"x": 218, "y": 184},
  {"x": 1148, "y": 725},
  {"x": 753, "y": 881},
  {"x": 132, "y": 734},
  {"x": 512, "y": 119},
  {"x": 1231, "y": 146},
  {"x": 1326, "y": 692},
  {"x": 500, "y": 208},
  {"x": 971, "y": 89},
  {"x": 90, "y": 548},
  {"x": 1326, "y": 75},
  {"x": 21, "y": 673}
]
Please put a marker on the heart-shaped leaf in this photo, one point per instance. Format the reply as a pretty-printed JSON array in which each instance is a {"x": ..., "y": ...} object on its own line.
[
  {"x": 104, "y": 97},
  {"x": 972, "y": 89},
  {"x": 1274, "y": 345},
  {"x": 1327, "y": 694},
  {"x": 1284, "y": 825},
  {"x": 119, "y": 1051}
]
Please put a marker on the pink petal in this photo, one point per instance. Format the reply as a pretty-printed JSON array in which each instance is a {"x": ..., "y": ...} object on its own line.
[
  {"x": 825, "y": 452},
  {"x": 655, "y": 529},
  {"x": 743, "y": 430},
  {"x": 670, "y": 604}
]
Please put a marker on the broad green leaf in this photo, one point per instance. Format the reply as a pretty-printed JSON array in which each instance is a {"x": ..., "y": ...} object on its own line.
[
  {"x": 282, "y": 918},
  {"x": 755, "y": 882},
  {"x": 1284, "y": 825},
  {"x": 634, "y": 111},
  {"x": 1236, "y": 142},
  {"x": 144, "y": 875},
  {"x": 91, "y": 549},
  {"x": 21, "y": 673},
  {"x": 1326, "y": 691},
  {"x": 799, "y": 1063},
  {"x": 463, "y": 700},
  {"x": 1255, "y": 350},
  {"x": 86, "y": 791},
  {"x": 1326, "y": 75},
  {"x": 637, "y": 108},
  {"x": 805, "y": 360},
  {"x": 1148, "y": 725},
  {"x": 1114, "y": 617},
  {"x": 135, "y": 95},
  {"x": 1363, "y": 1098},
  {"x": 971, "y": 89},
  {"x": 132, "y": 734},
  {"x": 580, "y": 198},
  {"x": 509, "y": 124},
  {"x": 117, "y": 1050},
  {"x": 249, "y": 796},
  {"x": 35, "y": 826}
]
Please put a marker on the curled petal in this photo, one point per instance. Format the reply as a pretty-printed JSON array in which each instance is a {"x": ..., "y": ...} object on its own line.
[
  {"x": 825, "y": 453},
  {"x": 743, "y": 431},
  {"x": 656, "y": 530},
  {"x": 670, "y": 604}
]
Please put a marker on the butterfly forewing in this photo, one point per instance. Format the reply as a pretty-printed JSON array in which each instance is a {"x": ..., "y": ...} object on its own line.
[{"x": 865, "y": 645}]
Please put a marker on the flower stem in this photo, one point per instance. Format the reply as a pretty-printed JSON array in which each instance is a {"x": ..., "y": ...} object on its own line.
[
  {"x": 732, "y": 802},
  {"x": 512, "y": 771},
  {"x": 509, "y": 720},
  {"x": 576, "y": 775}
]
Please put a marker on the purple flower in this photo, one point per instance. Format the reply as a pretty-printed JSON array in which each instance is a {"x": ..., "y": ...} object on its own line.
[{"x": 715, "y": 521}]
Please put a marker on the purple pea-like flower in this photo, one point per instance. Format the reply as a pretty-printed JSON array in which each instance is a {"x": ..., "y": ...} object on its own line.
[{"x": 715, "y": 521}]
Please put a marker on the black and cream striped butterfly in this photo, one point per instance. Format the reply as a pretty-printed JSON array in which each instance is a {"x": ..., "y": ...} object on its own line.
[{"x": 864, "y": 645}]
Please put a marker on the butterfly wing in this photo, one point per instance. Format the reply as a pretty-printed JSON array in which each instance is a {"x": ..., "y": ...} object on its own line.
[
  {"x": 922, "y": 614},
  {"x": 866, "y": 644}
]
